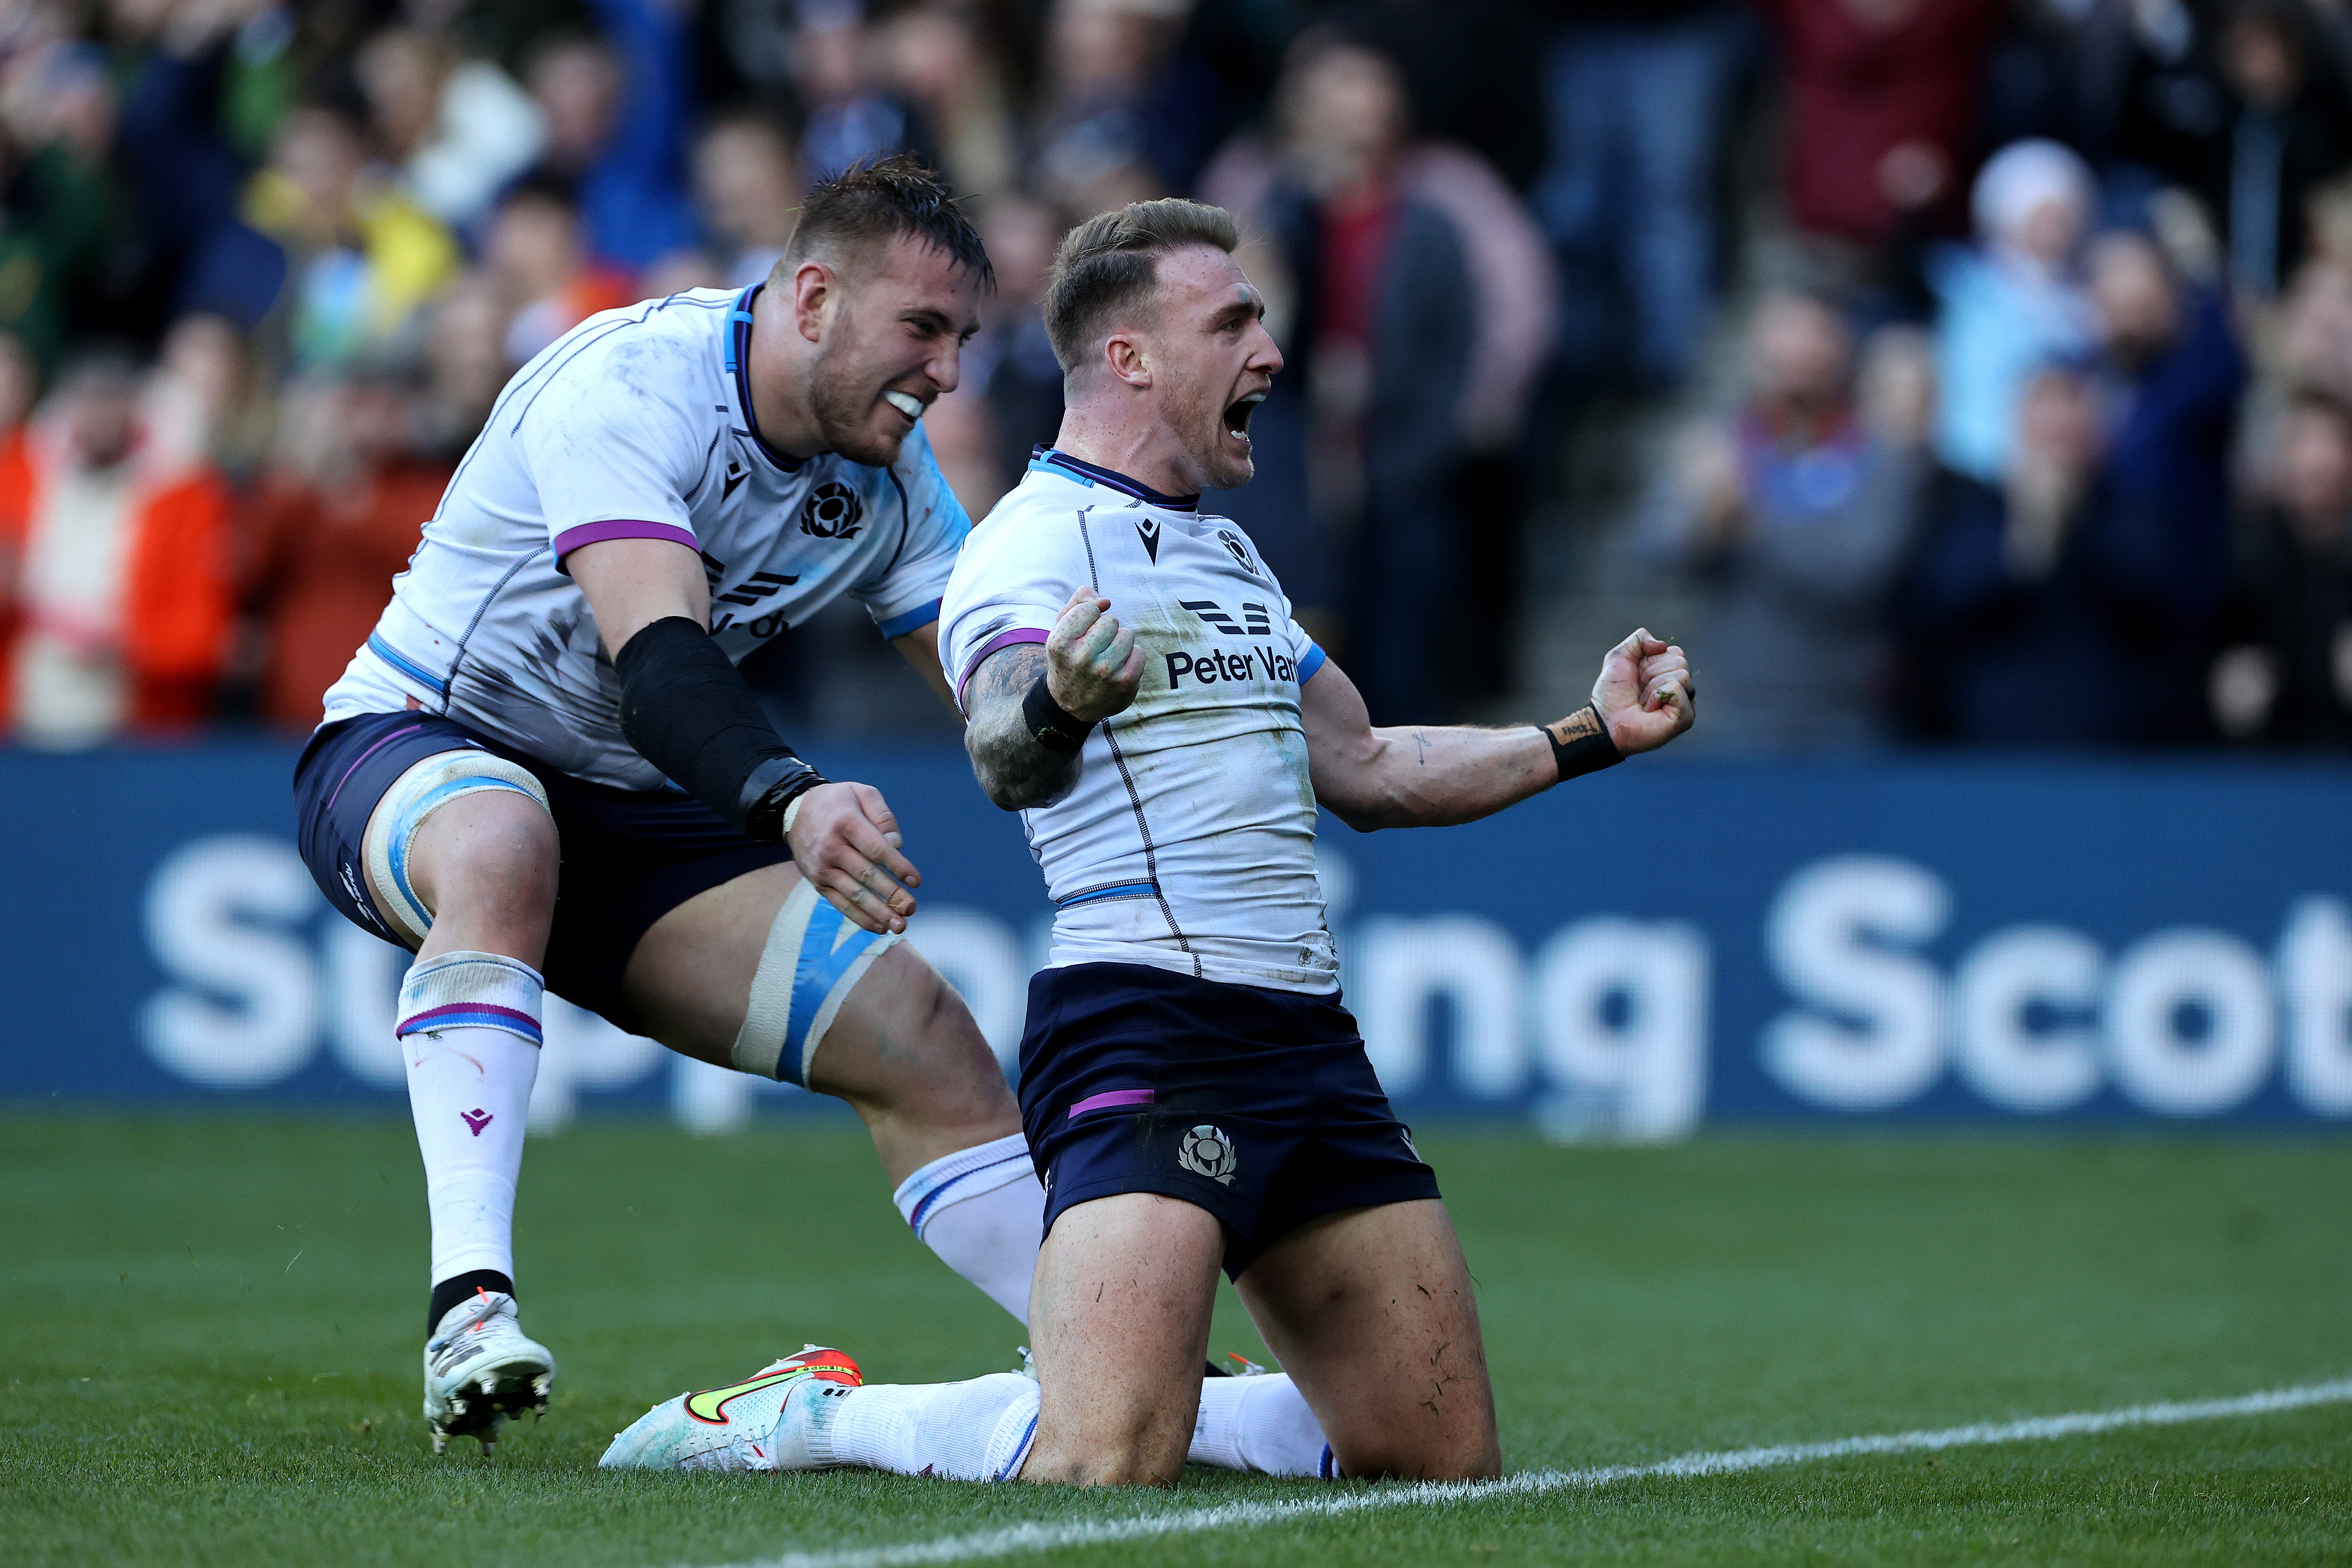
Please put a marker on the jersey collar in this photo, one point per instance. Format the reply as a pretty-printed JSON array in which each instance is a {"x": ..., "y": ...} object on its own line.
[
  {"x": 739, "y": 376},
  {"x": 1045, "y": 459}
]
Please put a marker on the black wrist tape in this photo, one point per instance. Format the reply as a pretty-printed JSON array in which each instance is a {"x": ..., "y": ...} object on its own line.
[
  {"x": 1051, "y": 725},
  {"x": 1580, "y": 744},
  {"x": 688, "y": 711}
]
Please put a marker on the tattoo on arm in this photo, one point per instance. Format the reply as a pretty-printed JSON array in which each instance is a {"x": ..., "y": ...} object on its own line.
[
  {"x": 1015, "y": 771},
  {"x": 1420, "y": 746}
]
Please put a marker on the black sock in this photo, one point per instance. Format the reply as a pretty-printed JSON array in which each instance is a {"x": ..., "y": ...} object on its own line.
[{"x": 457, "y": 1288}]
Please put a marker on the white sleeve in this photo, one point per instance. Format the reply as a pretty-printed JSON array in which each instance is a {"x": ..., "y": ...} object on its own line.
[
  {"x": 906, "y": 593},
  {"x": 605, "y": 467},
  {"x": 1006, "y": 591}
]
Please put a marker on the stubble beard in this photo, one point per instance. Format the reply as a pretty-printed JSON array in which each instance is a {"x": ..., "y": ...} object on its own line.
[
  {"x": 843, "y": 405},
  {"x": 1220, "y": 467}
]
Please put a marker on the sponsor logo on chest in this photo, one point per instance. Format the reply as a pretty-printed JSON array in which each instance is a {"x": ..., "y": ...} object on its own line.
[{"x": 1207, "y": 665}]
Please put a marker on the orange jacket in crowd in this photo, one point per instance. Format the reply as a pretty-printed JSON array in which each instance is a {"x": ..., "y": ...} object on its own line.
[
  {"x": 179, "y": 600},
  {"x": 323, "y": 566}
]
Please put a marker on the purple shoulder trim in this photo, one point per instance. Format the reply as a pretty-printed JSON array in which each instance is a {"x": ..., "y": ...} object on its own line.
[
  {"x": 572, "y": 538},
  {"x": 1000, "y": 640}
]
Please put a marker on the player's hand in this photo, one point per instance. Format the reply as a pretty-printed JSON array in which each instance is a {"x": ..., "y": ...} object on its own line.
[
  {"x": 1645, "y": 694},
  {"x": 846, "y": 842},
  {"x": 1092, "y": 665}
]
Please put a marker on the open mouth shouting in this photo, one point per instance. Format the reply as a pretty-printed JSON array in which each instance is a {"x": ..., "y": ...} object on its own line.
[
  {"x": 1237, "y": 417},
  {"x": 905, "y": 403}
]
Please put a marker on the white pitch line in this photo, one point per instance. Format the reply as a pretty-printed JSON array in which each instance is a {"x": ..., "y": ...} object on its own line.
[{"x": 1055, "y": 1536}]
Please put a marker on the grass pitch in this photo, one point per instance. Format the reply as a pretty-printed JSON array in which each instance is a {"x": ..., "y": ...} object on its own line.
[{"x": 212, "y": 1331}]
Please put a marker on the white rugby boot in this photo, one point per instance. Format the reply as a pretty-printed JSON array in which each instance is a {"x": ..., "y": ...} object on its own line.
[
  {"x": 760, "y": 1424},
  {"x": 480, "y": 1368}
]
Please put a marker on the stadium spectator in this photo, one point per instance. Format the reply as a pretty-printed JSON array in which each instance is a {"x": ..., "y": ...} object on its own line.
[
  {"x": 334, "y": 525},
  {"x": 118, "y": 607},
  {"x": 852, "y": 114},
  {"x": 1799, "y": 516},
  {"x": 195, "y": 248},
  {"x": 2288, "y": 128},
  {"x": 364, "y": 256},
  {"x": 1473, "y": 70},
  {"x": 63, "y": 213},
  {"x": 1636, "y": 92},
  {"x": 536, "y": 255},
  {"x": 616, "y": 109},
  {"x": 200, "y": 405},
  {"x": 457, "y": 129},
  {"x": 1882, "y": 101},
  {"x": 748, "y": 191},
  {"x": 1125, "y": 113},
  {"x": 2039, "y": 610},
  {"x": 1365, "y": 421},
  {"x": 465, "y": 365},
  {"x": 2285, "y": 673},
  {"x": 2171, "y": 384},
  {"x": 941, "y": 65},
  {"x": 2011, "y": 302}
]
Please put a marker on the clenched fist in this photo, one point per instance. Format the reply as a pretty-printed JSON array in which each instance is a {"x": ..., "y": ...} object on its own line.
[
  {"x": 1092, "y": 665},
  {"x": 1644, "y": 693}
]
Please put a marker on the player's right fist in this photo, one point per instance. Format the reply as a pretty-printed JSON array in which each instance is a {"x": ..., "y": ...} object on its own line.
[
  {"x": 1092, "y": 665},
  {"x": 845, "y": 840}
]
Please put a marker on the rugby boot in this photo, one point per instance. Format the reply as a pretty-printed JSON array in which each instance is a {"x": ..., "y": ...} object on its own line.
[
  {"x": 760, "y": 1424},
  {"x": 480, "y": 1368}
]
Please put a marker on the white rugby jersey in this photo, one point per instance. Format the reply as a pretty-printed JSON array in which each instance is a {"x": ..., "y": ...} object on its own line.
[
  {"x": 637, "y": 424},
  {"x": 1188, "y": 841}
]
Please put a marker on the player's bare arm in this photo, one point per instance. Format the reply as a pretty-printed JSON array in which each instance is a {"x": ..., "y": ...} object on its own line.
[
  {"x": 843, "y": 837},
  {"x": 1432, "y": 776},
  {"x": 1032, "y": 705}
]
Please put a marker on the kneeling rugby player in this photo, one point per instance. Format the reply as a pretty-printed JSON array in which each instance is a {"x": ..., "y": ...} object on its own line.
[{"x": 1191, "y": 1085}]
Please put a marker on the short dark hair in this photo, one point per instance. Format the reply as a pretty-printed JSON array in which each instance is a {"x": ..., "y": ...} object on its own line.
[
  {"x": 1111, "y": 263},
  {"x": 870, "y": 204},
  {"x": 542, "y": 187}
]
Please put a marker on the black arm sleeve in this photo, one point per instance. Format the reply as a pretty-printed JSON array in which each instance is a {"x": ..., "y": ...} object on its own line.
[{"x": 688, "y": 711}]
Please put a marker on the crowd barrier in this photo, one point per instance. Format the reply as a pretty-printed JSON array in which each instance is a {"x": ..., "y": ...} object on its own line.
[{"x": 2026, "y": 941}]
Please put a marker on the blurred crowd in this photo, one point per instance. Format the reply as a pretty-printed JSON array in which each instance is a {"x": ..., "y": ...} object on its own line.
[{"x": 2014, "y": 337}]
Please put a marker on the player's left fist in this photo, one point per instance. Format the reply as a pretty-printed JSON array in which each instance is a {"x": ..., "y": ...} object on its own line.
[{"x": 1645, "y": 694}]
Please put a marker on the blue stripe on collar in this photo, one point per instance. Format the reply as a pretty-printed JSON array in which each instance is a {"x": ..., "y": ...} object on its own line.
[
  {"x": 1085, "y": 473},
  {"x": 739, "y": 359}
]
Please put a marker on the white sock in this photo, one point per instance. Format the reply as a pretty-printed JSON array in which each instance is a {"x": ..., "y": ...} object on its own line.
[
  {"x": 975, "y": 1431},
  {"x": 468, "y": 1030},
  {"x": 981, "y": 1210},
  {"x": 1258, "y": 1424}
]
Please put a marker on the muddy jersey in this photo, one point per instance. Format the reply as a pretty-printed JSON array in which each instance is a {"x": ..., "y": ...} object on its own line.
[
  {"x": 1188, "y": 842},
  {"x": 637, "y": 424}
]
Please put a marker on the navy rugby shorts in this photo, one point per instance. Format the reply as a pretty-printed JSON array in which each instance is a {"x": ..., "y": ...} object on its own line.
[
  {"x": 629, "y": 857},
  {"x": 1257, "y": 1105}
]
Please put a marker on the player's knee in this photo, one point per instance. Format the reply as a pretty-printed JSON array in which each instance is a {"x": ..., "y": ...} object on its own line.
[
  {"x": 1104, "y": 1459},
  {"x": 489, "y": 856},
  {"x": 462, "y": 832},
  {"x": 1433, "y": 1443},
  {"x": 925, "y": 1057}
]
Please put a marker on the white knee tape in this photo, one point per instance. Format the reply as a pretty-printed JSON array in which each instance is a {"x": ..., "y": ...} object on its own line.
[
  {"x": 813, "y": 961},
  {"x": 415, "y": 795}
]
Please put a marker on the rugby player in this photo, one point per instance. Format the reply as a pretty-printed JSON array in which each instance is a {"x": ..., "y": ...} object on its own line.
[
  {"x": 1191, "y": 1086},
  {"x": 543, "y": 770}
]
